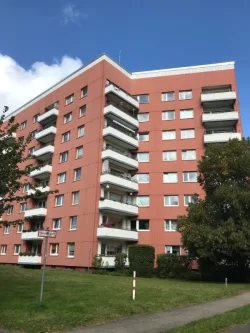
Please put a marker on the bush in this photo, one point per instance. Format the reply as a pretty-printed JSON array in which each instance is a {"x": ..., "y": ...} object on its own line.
[
  {"x": 97, "y": 261},
  {"x": 173, "y": 266},
  {"x": 120, "y": 261},
  {"x": 141, "y": 260}
]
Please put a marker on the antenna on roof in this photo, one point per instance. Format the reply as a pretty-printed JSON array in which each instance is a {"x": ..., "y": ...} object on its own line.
[{"x": 120, "y": 56}]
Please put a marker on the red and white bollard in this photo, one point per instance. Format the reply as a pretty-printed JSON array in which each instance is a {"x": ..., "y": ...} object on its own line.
[{"x": 134, "y": 284}]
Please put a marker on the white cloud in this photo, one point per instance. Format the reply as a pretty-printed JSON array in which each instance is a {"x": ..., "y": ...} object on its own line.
[
  {"x": 18, "y": 85},
  {"x": 72, "y": 15}
]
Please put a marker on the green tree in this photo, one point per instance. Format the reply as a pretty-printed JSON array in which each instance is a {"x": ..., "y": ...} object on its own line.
[
  {"x": 13, "y": 152},
  {"x": 216, "y": 229}
]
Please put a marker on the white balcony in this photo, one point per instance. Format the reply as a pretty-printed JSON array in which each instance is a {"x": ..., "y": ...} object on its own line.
[
  {"x": 42, "y": 189},
  {"x": 109, "y": 261},
  {"x": 44, "y": 153},
  {"x": 30, "y": 235},
  {"x": 29, "y": 260},
  {"x": 118, "y": 94},
  {"x": 114, "y": 135},
  {"x": 48, "y": 116},
  {"x": 113, "y": 233},
  {"x": 42, "y": 173},
  {"x": 218, "y": 96},
  {"x": 35, "y": 212},
  {"x": 119, "y": 182},
  {"x": 218, "y": 117},
  {"x": 221, "y": 137},
  {"x": 114, "y": 113},
  {"x": 46, "y": 135},
  {"x": 117, "y": 207},
  {"x": 120, "y": 159}
]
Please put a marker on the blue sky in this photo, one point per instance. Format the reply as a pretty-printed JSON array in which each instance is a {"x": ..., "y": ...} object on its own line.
[{"x": 151, "y": 34}]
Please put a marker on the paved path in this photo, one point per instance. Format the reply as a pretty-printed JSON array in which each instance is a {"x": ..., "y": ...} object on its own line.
[
  {"x": 165, "y": 320},
  {"x": 238, "y": 329}
]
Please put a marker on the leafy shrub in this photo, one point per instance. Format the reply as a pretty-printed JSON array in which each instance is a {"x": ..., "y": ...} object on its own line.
[
  {"x": 120, "y": 261},
  {"x": 173, "y": 266},
  {"x": 141, "y": 260},
  {"x": 97, "y": 261}
]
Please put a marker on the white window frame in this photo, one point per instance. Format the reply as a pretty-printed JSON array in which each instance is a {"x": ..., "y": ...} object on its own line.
[
  {"x": 68, "y": 250},
  {"x": 140, "y": 154},
  {"x": 143, "y": 196},
  {"x": 182, "y": 113},
  {"x": 142, "y": 137},
  {"x": 184, "y": 94},
  {"x": 18, "y": 226},
  {"x": 77, "y": 150},
  {"x": 188, "y": 173},
  {"x": 23, "y": 125},
  {"x": 138, "y": 225},
  {"x": 187, "y": 130},
  {"x": 69, "y": 99},
  {"x": 168, "y": 196},
  {"x": 140, "y": 115},
  {"x": 66, "y": 119},
  {"x": 26, "y": 188},
  {"x": 21, "y": 207},
  {"x": 17, "y": 246},
  {"x": 165, "y": 98},
  {"x": 70, "y": 222},
  {"x": 63, "y": 175},
  {"x": 65, "y": 136},
  {"x": 142, "y": 174},
  {"x": 186, "y": 152},
  {"x": 170, "y": 225},
  {"x": 62, "y": 200},
  {"x": 75, "y": 172},
  {"x": 84, "y": 94},
  {"x": 83, "y": 107},
  {"x": 6, "y": 230},
  {"x": 74, "y": 196},
  {"x": 61, "y": 155},
  {"x": 35, "y": 118},
  {"x": 56, "y": 248},
  {"x": 138, "y": 97},
  {"x": 169, "y": 151},
  {"x": 31, "y": 151},
  {"x": 167, "y": 180},
  {"x": 167, "y": 113},
  {"x": 189, "y": 201},
  {"x": 3, "y": 247},
  {"x": 169, "y": 131},
  {"x": 56, "y": 220},
  {"x": 10, "y": 210},
  {"x": 171, "y": 248},
  {"x": 80, "y": 128}
]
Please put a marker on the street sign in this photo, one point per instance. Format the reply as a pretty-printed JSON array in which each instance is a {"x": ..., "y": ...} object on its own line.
[{"x": 46, "y": 233}]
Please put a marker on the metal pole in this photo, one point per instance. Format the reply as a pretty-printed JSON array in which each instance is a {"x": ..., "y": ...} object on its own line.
[
  {"x": 134, "y": 284},
  {"x": 44, "y": 266},
  {"x": 89, "y": 260},
  {"x": 226, "y": 282}
]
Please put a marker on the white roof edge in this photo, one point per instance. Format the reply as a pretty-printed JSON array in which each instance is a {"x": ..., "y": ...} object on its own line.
[{"x": 135, "y": 75}]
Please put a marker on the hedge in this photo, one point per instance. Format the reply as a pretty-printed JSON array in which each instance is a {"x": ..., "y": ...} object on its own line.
[
  {"x": 141, "y": 260},
  {"x": 173, "y": 266}
]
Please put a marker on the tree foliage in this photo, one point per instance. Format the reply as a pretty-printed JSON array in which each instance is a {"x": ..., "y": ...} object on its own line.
[{"x": 216, "y": 229}]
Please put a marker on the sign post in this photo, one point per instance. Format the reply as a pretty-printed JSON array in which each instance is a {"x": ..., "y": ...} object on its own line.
[{"x": 46, "y": 234}]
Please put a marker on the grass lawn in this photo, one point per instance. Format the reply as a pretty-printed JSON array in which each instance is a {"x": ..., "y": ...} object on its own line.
[
  {"x": 74, "y": 299},
  {"x": 217, "y": 323}
]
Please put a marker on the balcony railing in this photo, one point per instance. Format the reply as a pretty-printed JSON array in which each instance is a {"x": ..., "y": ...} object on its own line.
[
  {"x": 121, "y": 129},
  {"x": 123, "y": 201},
  {"x": 120, "y": 175},
  {"x": 116, "y": 86},
  {"x": 114, "y": 226},
  {"x": 215, "y": 91},
  {"x": 211, "y": 111},
  {"x": 122, "y": 152}
]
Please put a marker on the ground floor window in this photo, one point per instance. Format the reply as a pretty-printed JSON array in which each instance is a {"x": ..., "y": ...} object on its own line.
[
  {"x": 174, "y": 249},
  {"x": 111, "y": 249}
]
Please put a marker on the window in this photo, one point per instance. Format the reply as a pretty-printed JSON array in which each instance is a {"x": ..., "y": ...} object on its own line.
[
  {"x": 65, "y": 136},
  {"x": 142, "y": 99},
  {"x": 169, "y": 156},
  {"x": 143, "y": 225},
  {"x": 71, "y": 250},
  {"x": 188, "y": 199},
  {"x": 187, "y": 94},
  {"x": 69, "y": 99},
  {"x": 79, "y": 152},
  {"x": 143, "y": 157},
  {"x": 168, "y": 135},
  {"x": 26, "y": 187},
  {"x": 170, "y": 225},
  {"x": 84, "y": 91},
  {"x": 187, "y": 114},
  {"x": 17, "y": 249},
  {"x": 190, "y": 177},
  {"x": 67, "y": 118},
  {"x": 110, "y": 250},
  {"x": 142, "y": 178},
  {"x": 54, "y": 247},
  {"x": 19, "y": 228},
  {"x": 10, "y": 210},
  {"x": 82, "y": 111},
  {"x": 3, "y": 250},
  {"x": 75, "y": 198},
  {"x": 188, "y": 155},
  {"x": 33, "y": 133},
  {"x": 174, "y": 249},
  {"x": 59, "y": 200},
  {"x": 31, "y": 151},
  {"x": 143, "y": 136},
  {"x": 143, "y": 117},
  {"x": 80, "y": 131},
  {"x": 171, "y": 200},
  {"x": 6, "y": 229},
  {"x": 73, "y": 222},
  {"x": 64, "y": 157},
  {"x": 23, "y": 206},
  {"x": 61, "y": 178},
  {"x": 23, "y": 125},
  {"x": 168, "y": 115},
  {"x": 167, "y": 96},
  {"x": 77, "y": 174},
  {"x": 143, "y": 200},
  {"x": 187, "y": 134},
  {"x": 170, "y": 177},
  {"x": 57, "y": 224},
  {"x": 35, "y": 118}
]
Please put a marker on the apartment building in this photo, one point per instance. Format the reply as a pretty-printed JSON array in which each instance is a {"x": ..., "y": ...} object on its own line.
[{"x": 122, "y": 150}]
